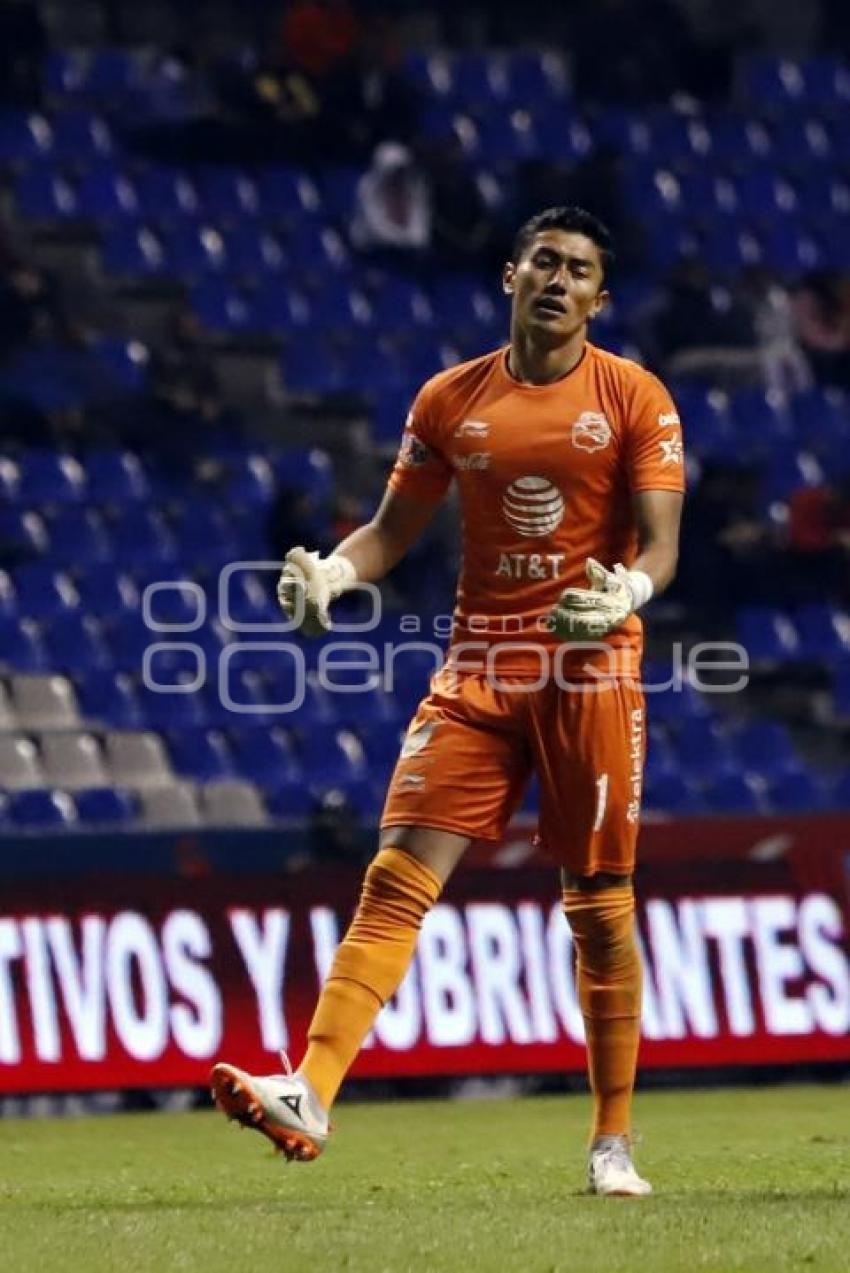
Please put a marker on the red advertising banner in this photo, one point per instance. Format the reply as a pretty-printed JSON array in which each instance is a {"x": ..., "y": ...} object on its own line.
[{"x": 110, "y": 982}]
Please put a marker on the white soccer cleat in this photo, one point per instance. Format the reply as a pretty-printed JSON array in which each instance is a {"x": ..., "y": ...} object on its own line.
[
  {"x": 281, "y": 1106},
  {"x": 611, "y": 1172}
]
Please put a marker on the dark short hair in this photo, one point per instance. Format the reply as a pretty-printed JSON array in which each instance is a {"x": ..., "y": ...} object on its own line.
[{"x": 575, "y": 221}]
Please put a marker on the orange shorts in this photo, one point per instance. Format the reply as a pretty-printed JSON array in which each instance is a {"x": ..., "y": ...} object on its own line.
[{"x": 471, "y": 749}]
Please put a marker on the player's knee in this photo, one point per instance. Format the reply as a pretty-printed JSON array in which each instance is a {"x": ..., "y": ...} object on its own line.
[{"x": 603, "y": 928}]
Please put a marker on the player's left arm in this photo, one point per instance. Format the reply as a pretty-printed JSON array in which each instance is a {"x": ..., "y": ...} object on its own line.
[
  {"x": 658, "y": 516},
  {"x": 655, "y": 468}
]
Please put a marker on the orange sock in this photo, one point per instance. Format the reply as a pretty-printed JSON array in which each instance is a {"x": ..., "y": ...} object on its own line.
[
  {"x": 609, "y": 991},
  {"x": 368, "y": 966}
]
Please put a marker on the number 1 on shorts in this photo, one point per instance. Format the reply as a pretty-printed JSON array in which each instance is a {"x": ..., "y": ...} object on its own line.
[{"x": 601, "y": 801}]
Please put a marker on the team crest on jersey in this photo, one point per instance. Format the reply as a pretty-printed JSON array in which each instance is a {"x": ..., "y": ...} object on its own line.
[
  {"x": 591, "y": 431},
  {"x": 413, "y": 453},
  {"x": 533, "y": 506}
]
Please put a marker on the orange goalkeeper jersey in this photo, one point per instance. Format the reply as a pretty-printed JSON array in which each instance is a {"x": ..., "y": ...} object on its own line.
[{"x": 545, "y": 476}]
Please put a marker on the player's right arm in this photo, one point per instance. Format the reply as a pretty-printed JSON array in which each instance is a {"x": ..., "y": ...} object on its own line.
[{"x": 416, "y": 487}]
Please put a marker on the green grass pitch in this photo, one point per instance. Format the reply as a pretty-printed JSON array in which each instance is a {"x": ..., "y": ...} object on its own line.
[{"x": 755, "y": 1180}]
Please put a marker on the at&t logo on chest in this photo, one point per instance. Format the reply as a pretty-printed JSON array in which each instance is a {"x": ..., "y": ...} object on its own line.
[
  {"x": 591, "y": 431},
  {"x": 532, "y": 506}
]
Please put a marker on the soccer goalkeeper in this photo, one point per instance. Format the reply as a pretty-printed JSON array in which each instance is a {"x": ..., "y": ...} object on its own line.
[{"x": 570, "y": 472}]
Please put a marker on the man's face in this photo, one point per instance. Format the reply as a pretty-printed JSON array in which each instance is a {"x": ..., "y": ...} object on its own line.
[{"x": 557, "y": 284}]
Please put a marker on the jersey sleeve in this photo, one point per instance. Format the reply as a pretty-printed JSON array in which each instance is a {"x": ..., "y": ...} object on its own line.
[
  {"x": 655, "y": 451},
  {"x": 421, "y": 469}
]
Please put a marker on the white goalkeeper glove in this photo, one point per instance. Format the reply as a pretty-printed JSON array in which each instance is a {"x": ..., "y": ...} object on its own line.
[
  {"x": 320, "y": 579},
  {"x": 586, "y": 614}
]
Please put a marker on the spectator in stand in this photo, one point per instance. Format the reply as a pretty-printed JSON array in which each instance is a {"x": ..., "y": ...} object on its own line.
[
  {"x": 465, "y": 230},
  {"x": 703, "y": 331},
  {"x": 367, "y": 99},
  {"x": 727, "y": 547},
  {"x": 784, "y": 366},
  {"x": 818, "y": 552},
  {"x": 822, "y": 315},
  {"x": 393, "y": 217},
  {"x": 318, "y": 35}
]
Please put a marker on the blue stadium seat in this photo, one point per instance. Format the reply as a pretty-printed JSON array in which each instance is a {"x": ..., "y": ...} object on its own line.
[
  {"x": 290, "y": 800},
  {"x": 129, "y": 637},
  {"x": 342, "y": 307},
  {"x": 732, "y": 793},
  {"x": 140, "y": 535},
  {"x": 81, "y": 136},
  {"x": 202, "y": 529},
  {"x": 306, "y": 469},
  {"x": 43, "y": 591},
  {"x": 104, "y": 590},
  {"x": 193, "y": 249},
  {"x": 105, "y": 193},
  {"x": 171, "y": 711},
  {"x": 790, "y": 249},
  {"x": 50, "y": 477},
  {"x": 79, "y": 536},
  {"x": 249, "y": 481},
  {"x": 824, "y": 632},
  {"x": 75, "y": 642},
  {"x": 25, "y": 136},
  {"x": 125, "y": 364},
  {"x": 770, "y": 82},
  {"x": 535, "y": 76},
  {"x": 264, "y": 756},
  {"x": 400, "y": 304},
  {"x": 360, "y": 798},
  {"x": 767, "y": 634},
  {"x": 107, "y": 697},
  {"x": 133, "y": 249},
  {"x": 64, "y": 71},
  {"x": 765, "y": 747},
  {"x": 227, "y": 193},
  {"x": 802, "y": 140},
  {"x": 702, "y": 747},
  {"x": 106, "y": 806},
  {"x": 330, "y": 755},
  {"x": 21, "y": 648},
  {"x": 113, "y": 73},
  {"x": 308, "y": 367},
  {"x": 281, "y": 309},
  {"x": 787, "y": 471},
  {"x": 166, "y": 194},
  {"x": 43, "y": 194},
  {"x": 253, "y": 252},
  {"x": 764, "y": 196},
  {"x": 223, "y": 306},
  {"x": 288, "y": 194},
  {"x": 671, "y": 793},
  {"x": 116, "y": 476},
  {"x": 23, "y": 533},
  {"x": 41, "y": 810},
  {"x": 202, "y": 754},
  {"x": 669, "y": 695},
  {"x": 381, "y": 742},
  {"x": 822, "y": 423},
  {"x": 796, "y": 793}
]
